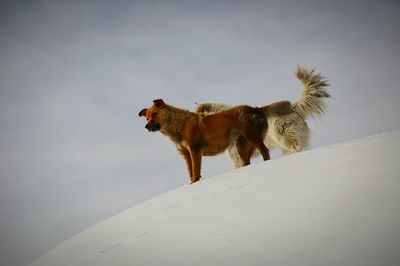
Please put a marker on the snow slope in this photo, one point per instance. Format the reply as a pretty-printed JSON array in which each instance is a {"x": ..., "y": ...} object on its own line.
[{"x": 337, "y": 205}]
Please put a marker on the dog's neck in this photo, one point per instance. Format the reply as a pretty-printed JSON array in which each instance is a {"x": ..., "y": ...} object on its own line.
[{"x": 175, "y": 123}]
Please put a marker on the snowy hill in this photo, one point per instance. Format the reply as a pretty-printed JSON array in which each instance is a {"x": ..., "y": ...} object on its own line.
[{"x": 337, "y": 205}]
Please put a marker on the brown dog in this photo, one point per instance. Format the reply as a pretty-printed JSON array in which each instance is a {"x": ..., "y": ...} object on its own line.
[{"x": 196, "y": 134}]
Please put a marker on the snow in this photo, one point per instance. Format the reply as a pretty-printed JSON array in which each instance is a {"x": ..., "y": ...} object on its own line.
[{"x": 337, "y": 205}]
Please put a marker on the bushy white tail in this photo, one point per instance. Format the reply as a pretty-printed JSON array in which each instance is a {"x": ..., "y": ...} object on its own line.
[{"x": 311, "y": 102}]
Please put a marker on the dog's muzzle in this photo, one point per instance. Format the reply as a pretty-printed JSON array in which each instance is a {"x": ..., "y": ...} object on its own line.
[{"x": 153, "y": 127}]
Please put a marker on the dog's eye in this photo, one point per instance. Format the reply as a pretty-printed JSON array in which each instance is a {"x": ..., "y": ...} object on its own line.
[{"x": 153, "y": 114}]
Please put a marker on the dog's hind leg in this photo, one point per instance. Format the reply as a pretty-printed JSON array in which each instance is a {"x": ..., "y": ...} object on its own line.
[
  {"x": 291, "y": 134},
  {"x": 259, "y": 144},
  {"x": 263, "y": 150},
  {"x": 292, "y": 142}
]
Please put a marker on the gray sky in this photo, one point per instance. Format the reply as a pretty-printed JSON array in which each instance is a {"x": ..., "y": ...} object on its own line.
[{"x": 74, "y": 75}]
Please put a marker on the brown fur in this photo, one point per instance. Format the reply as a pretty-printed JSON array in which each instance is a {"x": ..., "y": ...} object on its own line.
[{"x": 196, "y": 134}]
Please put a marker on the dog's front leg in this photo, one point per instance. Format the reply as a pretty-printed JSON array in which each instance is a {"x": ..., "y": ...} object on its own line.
[
  {"x": 195, "y": 155},
  {"x": 188, "y": 160}
]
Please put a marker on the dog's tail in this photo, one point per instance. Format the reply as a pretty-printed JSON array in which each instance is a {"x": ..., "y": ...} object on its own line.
[
  {"x": 311, "y": 102},
  {"x": 277, "y": 109}
]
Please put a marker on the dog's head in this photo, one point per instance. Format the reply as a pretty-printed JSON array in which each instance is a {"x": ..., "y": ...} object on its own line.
[{"x": 155, "y": 115}]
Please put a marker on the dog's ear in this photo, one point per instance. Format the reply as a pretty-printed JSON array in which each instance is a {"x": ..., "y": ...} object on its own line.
[
  {"x": 143, "y": 112},
  {"x": 159, "y": 103}
]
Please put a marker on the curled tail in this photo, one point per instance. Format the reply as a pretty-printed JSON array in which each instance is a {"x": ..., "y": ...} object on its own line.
[{"x": 311, "y": 102}]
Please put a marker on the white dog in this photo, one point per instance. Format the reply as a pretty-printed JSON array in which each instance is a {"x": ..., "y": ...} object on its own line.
[{"x": 289, "y": 132}]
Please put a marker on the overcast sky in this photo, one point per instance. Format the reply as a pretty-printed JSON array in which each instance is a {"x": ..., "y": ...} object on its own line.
[{"x": 75, "y": 74}]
